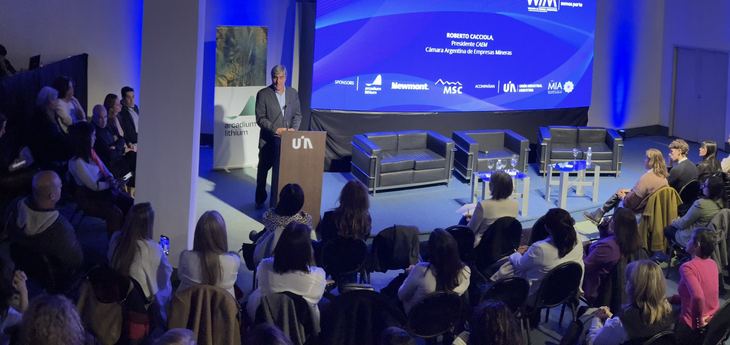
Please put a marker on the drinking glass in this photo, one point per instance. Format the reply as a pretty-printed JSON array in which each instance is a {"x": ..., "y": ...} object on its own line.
[
  {"x": 500, "y": 166},
  {"x": 575, "y": 153},
  {"x": 514, "y": 161},
  {"x": 490, "y": 164}
]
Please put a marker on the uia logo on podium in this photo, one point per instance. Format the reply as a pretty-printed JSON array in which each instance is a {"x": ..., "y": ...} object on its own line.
[
  {"x": 237, "y": 125},
  {"x": 296, "y": 143}
]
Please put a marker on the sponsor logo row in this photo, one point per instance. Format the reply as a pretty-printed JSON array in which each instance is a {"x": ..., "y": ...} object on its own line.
[{"x": 456, "y": 87}]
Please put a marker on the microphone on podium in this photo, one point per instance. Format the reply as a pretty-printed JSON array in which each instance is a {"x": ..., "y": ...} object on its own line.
[{"x": 287, "y": 117}]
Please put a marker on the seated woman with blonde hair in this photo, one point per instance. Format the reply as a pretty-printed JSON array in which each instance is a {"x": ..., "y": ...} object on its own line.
[
  {"x": 635, "y": 199},
  {"x": 648, "y": 313},
  {"x": 209, "y": 263}
]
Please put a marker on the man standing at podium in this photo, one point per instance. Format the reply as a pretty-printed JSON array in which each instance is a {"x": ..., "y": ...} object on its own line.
[{"x": 277, "y": 110}]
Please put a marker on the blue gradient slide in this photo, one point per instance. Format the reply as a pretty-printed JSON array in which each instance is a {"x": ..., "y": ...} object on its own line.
[{"x": 453, "y": 55}]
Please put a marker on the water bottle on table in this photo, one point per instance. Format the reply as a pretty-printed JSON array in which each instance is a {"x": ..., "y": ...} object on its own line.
[{"x": 588, "y": 156}]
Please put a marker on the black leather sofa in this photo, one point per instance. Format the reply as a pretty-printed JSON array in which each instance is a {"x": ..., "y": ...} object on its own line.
[
  {"x": 499, "y": 144},
  {"x": 557, "y": 143},
  {"x": 388, "y": 160}
]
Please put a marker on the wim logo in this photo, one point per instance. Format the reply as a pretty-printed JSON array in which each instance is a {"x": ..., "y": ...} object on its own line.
[{"x": 543, "y": 5}]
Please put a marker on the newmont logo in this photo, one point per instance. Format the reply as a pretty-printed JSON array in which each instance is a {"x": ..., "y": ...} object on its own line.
[
  {"x": 248, "y": 110},
  {"x": 400, "y": 86}
]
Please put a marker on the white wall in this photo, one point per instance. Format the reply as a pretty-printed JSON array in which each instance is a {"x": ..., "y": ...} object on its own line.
[
  {"x": 110, "y": 31},
  {"x": 172, "y": 79},
  {"x": 700, "y": 25},
  {"x": 627, "y": 64}
]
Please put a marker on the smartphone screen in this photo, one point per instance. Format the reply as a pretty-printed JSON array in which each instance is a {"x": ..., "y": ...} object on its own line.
[
  {"x": 165, "y": 244},
  {"x": 127, "y": 176}
]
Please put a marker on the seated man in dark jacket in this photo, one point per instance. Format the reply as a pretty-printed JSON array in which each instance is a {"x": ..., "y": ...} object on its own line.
[
  {"x": 34, "y": 223},
  {"x": 684, "y": 171},
  {"x": 113, "y": 151}
]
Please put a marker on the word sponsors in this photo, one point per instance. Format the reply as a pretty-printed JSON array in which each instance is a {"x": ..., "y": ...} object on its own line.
[{"x": 452, "y": 51}]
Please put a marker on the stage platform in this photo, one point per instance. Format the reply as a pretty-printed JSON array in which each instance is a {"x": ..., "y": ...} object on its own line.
[{"x": 232, "y": 194}]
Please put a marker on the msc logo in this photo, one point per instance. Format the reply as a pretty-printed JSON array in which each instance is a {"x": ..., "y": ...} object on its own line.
[
  {"x": 296, "y": 143},
  {"x": 543, "y": 5},
  {"x": 509, "y": 87},
  {"x": 450, "y": 88}
]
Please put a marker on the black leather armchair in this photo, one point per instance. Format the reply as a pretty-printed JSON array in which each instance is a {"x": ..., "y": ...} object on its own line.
[
  {"x": 500, "y": 144},
  {"x": 387, "y": 160},
  {"x": 557, "y": 143}
]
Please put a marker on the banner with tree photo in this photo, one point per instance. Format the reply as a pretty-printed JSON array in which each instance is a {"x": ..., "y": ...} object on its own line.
[{"x": 240, "y": 72}]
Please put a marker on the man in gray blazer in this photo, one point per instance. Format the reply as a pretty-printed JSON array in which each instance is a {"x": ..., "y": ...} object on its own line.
[{"x": 277, "y": 110}]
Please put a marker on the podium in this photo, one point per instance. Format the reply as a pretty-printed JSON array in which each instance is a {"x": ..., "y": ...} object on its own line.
[{"x": 300, "y": 159}]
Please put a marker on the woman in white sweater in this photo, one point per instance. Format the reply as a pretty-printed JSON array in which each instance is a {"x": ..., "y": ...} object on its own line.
[
  {"x": 209, "y": 263},
  {"x": 444, "y": 272},
  {"x": 535, "y": 262},
  {"x": 68, "y": 108},
  {"x": 97, "y": 190},
  {"x": 133, "y": 253},
  {"x": 500, "y": 205},
  {"x": 289, "y": 270}
]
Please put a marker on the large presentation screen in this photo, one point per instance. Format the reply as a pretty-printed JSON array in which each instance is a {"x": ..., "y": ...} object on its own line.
[{"x": 452, "y": 55}]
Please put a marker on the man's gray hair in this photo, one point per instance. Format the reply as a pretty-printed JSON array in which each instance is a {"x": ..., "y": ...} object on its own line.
[
  {"x": 278, "y": 69},
  {"x": 45, "y": 96}
]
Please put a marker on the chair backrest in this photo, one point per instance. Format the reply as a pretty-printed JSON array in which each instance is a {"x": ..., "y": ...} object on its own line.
[
  {"x": 387, "y": 141},
  {"x": 358, "y": 317},
  {"x": 573, "y": 333},
  {"x": 488, "y": 139},
  {"x": 560, "y": 285},
  {"x": 718, "y": 329},
  {"x": 464, "y": 240},
  {"x": 512, "y": 291},
  {"x": 293, "y": 316},
  {"x": 564, "y": 134},
  {"x": 412, "y": 140},
  {"x": 434, "y": 315},
  {"x": 342, "y": 255},
  {"x": 395, "y": 248},
  {"x": 500, "y": 239},
  {"x": 588, "y": 135},
  {"x": 689, "y": 192},
  {"x": 663, "y": 338},
  {"x": 36, "y": 266},
  {"x": 212, "y": 313}
]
